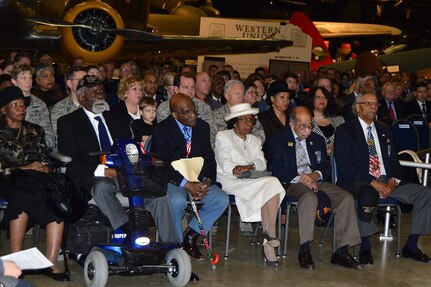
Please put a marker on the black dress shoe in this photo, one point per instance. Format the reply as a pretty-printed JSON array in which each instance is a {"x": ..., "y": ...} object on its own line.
[
  {"x": 366, "y": 257},
  {"x": 346, "y": 261},
  {"x": 194, "y": 277},
  {"x": 189, "y": 245},
  {"x": 418, "y": 255},
  {"x": 60, "y": 277},
  {"x": 306, "y": 261}
]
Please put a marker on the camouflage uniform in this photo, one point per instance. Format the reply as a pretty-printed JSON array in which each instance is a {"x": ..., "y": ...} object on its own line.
[
  {"x": 63, "y": 107},
  {"x": 219, "y": 124},
  {"x": 37, "y": 113},
  {"x": 204, "y": 111}
]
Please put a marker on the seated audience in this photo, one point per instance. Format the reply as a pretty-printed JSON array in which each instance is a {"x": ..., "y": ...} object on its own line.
[
  {"x": 276, "y": 118},
  {"x": 368, "y": 168},
  {"x": 188, "y": 137},
  {"x": 45, "y": 88},
  {"x": 149, "y": 112},
  {"x": 419, "y": 105},
  {"x": 325, "y": 119},
  {"x": 238, "y": 151},
  {"x": 389, "y": 110},
  {"x": 297, "y": 157},
  {"x": 24, "y": 168},
  {"x": 37, "y": 111},
  {"x": 88, "y": 129}
]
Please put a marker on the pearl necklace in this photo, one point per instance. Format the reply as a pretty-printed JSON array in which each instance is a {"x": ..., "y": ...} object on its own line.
[
  {"x": 319, "y": 117},
  {"x": 241, "y": 137}
]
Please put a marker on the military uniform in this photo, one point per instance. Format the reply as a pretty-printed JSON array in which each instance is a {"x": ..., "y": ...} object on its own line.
[
  {"x": 63, "y": 107},
  {"x": 219, "y": 124},
  {"x": 204, "y": 111},
  {"x": 37, "y": 113}
]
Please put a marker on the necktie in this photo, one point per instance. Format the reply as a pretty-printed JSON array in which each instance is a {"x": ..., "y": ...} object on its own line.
[
  {"x": 188, "y": 139},
  {"x": 105, "y": 143},
  {"x": 301, "y": 158},
  {"x": 391, "y": 112},
  {"x": 424, "y": 110},
  {"x": 374, "y": 164}
]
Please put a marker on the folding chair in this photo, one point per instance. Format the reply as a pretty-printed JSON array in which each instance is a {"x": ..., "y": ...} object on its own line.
[
  {"x": 423, "y": 130},
  {"x": 405, "y": 136}
]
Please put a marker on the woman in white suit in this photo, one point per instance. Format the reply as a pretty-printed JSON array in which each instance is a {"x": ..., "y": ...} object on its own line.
[{"x": 258, "y": 199}]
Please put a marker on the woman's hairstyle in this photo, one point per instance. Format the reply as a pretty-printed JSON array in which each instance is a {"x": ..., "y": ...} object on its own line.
[
  {"x": 312, "y": 95},
  {"x": 125, "y": 85},
  {"x": 19, "y": 68},
  {"x": 168, "y": 79},
  {"x": 231, "y": 123}
]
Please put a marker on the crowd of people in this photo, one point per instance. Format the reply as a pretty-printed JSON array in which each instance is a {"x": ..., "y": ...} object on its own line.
[{"x": 289, "y": 125}]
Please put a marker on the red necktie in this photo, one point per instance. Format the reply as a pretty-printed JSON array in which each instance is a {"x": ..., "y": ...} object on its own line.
[{"x": 391, "y": 112}]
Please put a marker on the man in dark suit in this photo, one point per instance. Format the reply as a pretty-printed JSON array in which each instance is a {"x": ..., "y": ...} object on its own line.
[
  {"x": 297, "y": 157},
  {"x": 183, "y": 135},
  {"x": 389, "y": 110},
  {"x": 90, "y": 129},
  {"x": 368, "y": 167},
  {"x": 419, "y": 105}
]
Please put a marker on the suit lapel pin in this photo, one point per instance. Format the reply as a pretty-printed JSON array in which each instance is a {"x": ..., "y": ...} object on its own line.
[
  {"x": 311, "y": 143},
  {"x": 290, "y": 144}
]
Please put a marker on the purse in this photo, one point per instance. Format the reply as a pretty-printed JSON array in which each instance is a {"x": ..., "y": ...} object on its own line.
[{"x": 61, "y": 193}]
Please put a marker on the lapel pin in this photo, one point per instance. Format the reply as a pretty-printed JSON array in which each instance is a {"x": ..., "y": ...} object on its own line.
[{"x": 290, "y": 144}]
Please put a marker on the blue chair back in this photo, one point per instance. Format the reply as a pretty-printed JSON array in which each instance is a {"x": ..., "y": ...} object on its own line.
[
  {"x": 421, "y": 125},
  {"x": 405, "y": 136}
]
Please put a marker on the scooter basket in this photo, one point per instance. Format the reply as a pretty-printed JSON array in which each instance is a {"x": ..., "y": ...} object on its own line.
[{"x": 147, "y": 177}]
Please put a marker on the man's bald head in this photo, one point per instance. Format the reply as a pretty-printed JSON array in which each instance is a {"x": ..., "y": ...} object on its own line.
[{"x": 183, "y": 109}]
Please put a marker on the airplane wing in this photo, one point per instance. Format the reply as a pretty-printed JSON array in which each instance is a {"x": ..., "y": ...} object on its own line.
[
  {"x": 338, "y": 29},
  {"x": 189, "y": 46}
]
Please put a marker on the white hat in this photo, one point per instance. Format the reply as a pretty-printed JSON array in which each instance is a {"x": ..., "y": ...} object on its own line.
[{"x": 240, "y": 110}]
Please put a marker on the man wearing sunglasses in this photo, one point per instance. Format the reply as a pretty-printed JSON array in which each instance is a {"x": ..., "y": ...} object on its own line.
[{"x": 297, "y": 157}]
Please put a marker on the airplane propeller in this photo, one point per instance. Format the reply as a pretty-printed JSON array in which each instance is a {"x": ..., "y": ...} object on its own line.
[{"x": 131, "y": 34}]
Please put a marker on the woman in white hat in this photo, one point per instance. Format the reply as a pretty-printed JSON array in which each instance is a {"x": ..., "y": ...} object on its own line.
[{"x": 258, "y": 199}]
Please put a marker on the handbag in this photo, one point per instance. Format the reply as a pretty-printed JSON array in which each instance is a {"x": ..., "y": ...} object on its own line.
[{"x": 61, "y": 193}]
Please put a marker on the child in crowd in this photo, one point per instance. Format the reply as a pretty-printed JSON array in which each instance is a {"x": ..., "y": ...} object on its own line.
[{"x": 149, "y": 111}]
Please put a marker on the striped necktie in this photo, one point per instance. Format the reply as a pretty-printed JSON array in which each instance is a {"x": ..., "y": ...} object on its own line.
[
  {"x": 374, "y": 163},
  {"x": 188, "y": 138}
]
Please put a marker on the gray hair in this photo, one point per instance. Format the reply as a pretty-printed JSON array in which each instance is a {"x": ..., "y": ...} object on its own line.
[
  {"x": 358, "y": 100},
  {"x": 42, "y": 68},
  {"x": 230, "y": 83},
  {"x": 293, "y": 114},
  {"x": 362, "y": 81}
]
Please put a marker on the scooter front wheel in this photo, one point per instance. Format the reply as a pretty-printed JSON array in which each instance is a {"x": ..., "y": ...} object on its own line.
[
  {"x": 96, "y": 270},
  {"x": 179, "y": 259}
]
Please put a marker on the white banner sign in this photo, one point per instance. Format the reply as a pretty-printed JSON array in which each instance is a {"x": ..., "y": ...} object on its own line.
[{"x": 258, "y": 29}]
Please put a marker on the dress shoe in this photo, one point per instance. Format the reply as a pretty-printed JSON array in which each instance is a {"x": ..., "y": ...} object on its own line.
[
  {"x": 189, "y": 245},
  {"x": 194, "y": 277},
  {"x": 268, "y": 262},
  {"x": 306, "y": 261},
  {"x": 60, "y": 277},
  {"x": 266, "y": 239},
  {"x": 366, "y": 257},
  {"x": 418, "y": 255},
  {"x": 346, "y": 261}
]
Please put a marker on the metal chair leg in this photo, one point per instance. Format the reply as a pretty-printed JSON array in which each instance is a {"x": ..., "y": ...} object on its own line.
[
  {"x": 229, "y": 217},
  {"x": 398, "y": 230},
  {"x": 286, "y": 230},
  {"x": 328, "y": 224}
]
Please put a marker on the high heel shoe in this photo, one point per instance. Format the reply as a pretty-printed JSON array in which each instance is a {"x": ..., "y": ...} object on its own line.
[
  {"x": 274, "y": 242},
  {"x": 268, "y": 262}
]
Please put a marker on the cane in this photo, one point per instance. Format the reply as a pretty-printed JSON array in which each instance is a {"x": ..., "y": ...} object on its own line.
[{"x": 213, "y": 257}]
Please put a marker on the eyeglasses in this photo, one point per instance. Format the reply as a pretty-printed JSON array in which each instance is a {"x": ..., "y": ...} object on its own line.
[
  {"x": 188, "y": 113},
  {"x": 251, "y": 120},
  {"x": 304, "y": 126},
  {"x": 369, "y": 104},
  {"x": 47, "y": 76}
]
